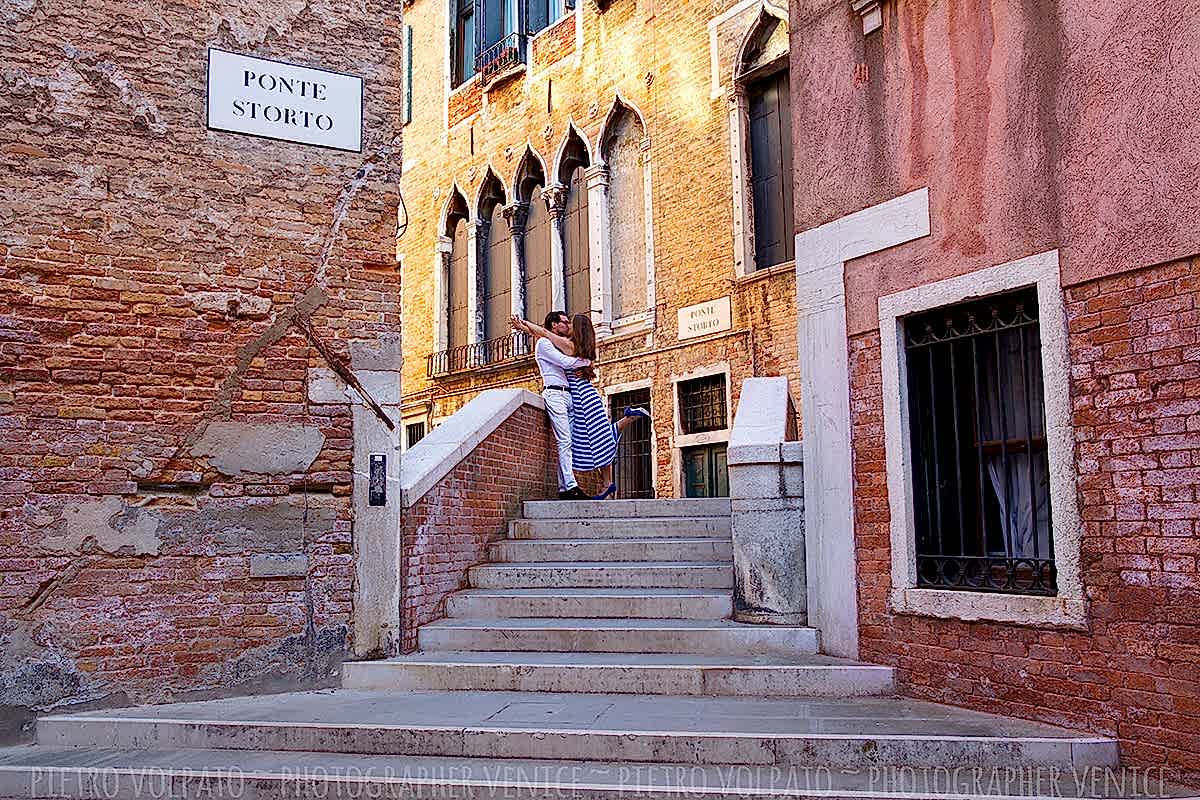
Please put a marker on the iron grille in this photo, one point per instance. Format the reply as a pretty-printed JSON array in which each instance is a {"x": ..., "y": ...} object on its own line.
[
  {"x": 977, "y": 425},
  {"x": 702, "y": 404},
  {"x": 508, "y": 52},
  {"x": 413, "y": 433},
  {"x": 480, "y": 354},
  {"x": 633, "y": 470}
]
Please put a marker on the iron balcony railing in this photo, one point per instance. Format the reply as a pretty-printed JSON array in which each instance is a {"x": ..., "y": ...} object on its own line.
[
  {"x": 480, "y": 354},
  {"x": 508, "y": 52}
]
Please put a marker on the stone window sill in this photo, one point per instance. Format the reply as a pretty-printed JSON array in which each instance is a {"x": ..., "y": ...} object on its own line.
[
  {"x": 1055, "y": 612},
  {"x": 786, "y": 268}
]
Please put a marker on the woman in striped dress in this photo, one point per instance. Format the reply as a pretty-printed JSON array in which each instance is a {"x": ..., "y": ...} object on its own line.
[{"x": 593, "y": 436}]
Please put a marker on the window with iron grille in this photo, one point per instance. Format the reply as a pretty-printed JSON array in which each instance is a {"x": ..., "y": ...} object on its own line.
[
  {"x": 981, "y": 495},
  {"x": 633, "y": 471},
  {"x": 702, "y": 404},
  {"x": 413, "y": 433}
]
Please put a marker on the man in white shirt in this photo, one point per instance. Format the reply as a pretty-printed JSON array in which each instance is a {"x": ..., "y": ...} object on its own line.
[{"x": 553, "y": 364}]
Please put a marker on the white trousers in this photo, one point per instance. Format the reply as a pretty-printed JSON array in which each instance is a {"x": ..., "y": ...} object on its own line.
[{"x": 558, "y": 406}]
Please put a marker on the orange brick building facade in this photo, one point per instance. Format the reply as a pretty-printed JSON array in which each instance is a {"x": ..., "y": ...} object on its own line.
[{"x": 630, "y": 106}]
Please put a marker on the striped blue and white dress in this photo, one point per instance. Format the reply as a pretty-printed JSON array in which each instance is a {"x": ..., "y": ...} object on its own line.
[{"x": 593, "y": 436}]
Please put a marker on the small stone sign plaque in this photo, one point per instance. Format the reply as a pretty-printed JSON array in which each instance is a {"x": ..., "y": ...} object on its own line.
[
  {"x": 277, "y": 100},
  {"x": 702, "y": 319}
]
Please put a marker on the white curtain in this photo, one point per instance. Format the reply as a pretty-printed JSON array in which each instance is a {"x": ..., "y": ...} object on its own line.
[{"x": 1011, "y": 410}]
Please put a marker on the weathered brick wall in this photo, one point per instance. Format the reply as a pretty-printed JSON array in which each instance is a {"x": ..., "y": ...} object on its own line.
[
  {"x": 448, "y": 530},
  {"x": 155, "y": 427},
  {"x": 557, "y": 41},
  {"x": 1135, "y": 385}
]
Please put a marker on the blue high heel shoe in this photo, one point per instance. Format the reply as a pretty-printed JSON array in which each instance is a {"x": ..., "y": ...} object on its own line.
[
  {"x": 637, "y": 411},
  {"x": 607, "y": 493}
]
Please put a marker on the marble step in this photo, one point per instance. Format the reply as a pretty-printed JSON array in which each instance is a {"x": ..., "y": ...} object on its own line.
[
  {"x": 636, "y": 673},
  {"x": 651, "y": 549},
  {"x": 621, "y": 528},
  {"x": 612, "y": 574},
  {"x": 79, "y": 773},
  {"x": 837, "y": 734},
  {"x": 712, "y": 637},
  {"x": 592, "y": 603},
  {"x": 593, "y": 509}
]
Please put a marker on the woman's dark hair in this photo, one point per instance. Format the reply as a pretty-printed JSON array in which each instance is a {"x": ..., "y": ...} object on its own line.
[{"x": 583, "y": 336}]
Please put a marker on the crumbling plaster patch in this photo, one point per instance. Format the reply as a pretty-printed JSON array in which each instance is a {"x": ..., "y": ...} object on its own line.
[
  {"x": 278, "y": 448},
  {"x": 114, "y": 526},
  {"x": 233, "y": 305},
  {"x": 108, "y": 78}
]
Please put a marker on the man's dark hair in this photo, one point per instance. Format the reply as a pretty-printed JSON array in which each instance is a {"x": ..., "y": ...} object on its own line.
[{"x": 552, "y": 318}]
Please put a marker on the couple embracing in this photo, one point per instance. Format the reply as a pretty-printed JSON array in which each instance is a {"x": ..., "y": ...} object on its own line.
[{"x": 587, "y": 439}]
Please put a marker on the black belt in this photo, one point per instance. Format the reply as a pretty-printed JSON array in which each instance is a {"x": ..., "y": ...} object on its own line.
[{"x": 556, "y": 388}]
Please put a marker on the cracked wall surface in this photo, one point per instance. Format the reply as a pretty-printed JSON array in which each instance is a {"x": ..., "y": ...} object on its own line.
[{"x": 163, "y": 292}]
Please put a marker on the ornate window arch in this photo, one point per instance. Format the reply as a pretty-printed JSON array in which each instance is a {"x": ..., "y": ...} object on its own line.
[
  {"x": 452, "y": 281},
  {"x": 761, "y": 157},
  {"x": 574, "y": 281},
  {"x": 620, "y": 219},
  {"x": 532, "y": 233},
  {"x": 493, "y": 282}
]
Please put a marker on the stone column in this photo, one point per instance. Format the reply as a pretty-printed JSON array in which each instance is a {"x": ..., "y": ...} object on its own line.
[
  {"x": 555, "y": 196},
  {"x": 477, "y": 239},
  {"x": 516, "y": 215},
  {"x": 598, "y": 242},
  {"x": 441, "y": 300},
  {"x": 743, "y": 217}
]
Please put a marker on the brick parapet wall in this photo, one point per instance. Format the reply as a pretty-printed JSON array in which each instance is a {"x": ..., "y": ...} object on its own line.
[
  {"x": 1135, "y": 384},
  {"x": 448, "y": 530}
]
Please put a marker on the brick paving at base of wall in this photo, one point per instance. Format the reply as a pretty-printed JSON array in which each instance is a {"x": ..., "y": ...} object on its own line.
[
  {"x": 448, "y": 530},
  {"x": 1135, "y": 388}
]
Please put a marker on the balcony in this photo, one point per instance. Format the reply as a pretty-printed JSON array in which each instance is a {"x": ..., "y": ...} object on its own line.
[
  {"x": 501, "y": 57},
  {"x": 493, "y": 352}
]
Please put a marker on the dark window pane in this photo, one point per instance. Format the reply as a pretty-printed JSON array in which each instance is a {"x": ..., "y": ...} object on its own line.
[
  {"x": 702, "y": 404},
  {"x": 414, "y": 433},
  {"x": 771, "y": 169},
  {"x": 464, "y": 43},
  {"x": 981, "y": 497},
  {"x": 633, "y": 470}
]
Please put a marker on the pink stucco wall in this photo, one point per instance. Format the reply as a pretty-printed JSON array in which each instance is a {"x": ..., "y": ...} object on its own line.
[{"x": 1035, "y": 125}]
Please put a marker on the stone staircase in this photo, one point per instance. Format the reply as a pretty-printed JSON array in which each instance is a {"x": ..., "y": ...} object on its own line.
[{"x": 594, "y": 657}]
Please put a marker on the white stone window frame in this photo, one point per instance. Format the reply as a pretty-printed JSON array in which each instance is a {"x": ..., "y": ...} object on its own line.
[
  {"x": 739, "y": 148},
  {"x": 630, "y": 386},
  {"x": 1067, "y": 608},
  {"x": 600, "y": 234},
  {"x": 441, "y": 271},
  {"x": 680, "y": 440}
]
